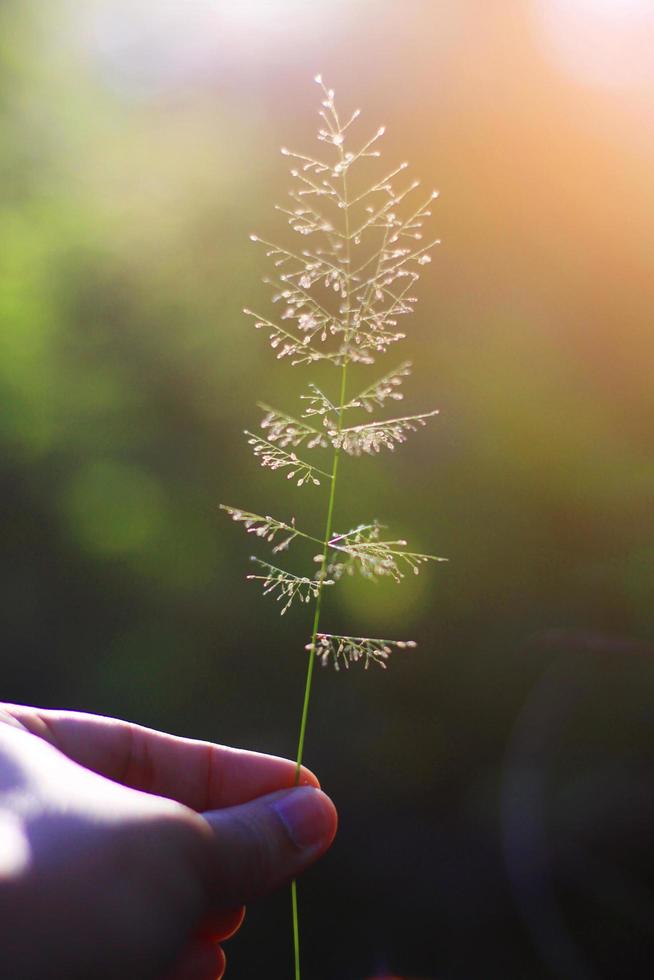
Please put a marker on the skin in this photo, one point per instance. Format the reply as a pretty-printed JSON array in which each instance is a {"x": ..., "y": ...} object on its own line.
[{"x": 126, "y": 852}]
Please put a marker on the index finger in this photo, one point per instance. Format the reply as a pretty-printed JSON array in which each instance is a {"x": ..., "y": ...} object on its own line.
[{"x": 201, "y": 775}]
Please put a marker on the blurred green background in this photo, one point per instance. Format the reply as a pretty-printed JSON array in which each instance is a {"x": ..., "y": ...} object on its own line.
[{"x": 138, "y": 149}]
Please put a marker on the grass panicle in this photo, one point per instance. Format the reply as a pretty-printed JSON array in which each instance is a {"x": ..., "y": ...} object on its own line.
[{"x": 339, "y": 297}]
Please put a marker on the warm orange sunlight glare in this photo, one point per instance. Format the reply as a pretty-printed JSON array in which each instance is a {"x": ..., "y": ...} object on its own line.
[{"x": 605, "y": 43}]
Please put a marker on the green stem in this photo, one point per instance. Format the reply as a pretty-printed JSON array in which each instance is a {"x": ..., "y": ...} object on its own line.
[
  {"x": 312, "y": 657},
  {"x": 323, "y": 571}
]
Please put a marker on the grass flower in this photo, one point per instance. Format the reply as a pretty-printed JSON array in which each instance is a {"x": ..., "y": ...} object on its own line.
[{"x": 339, "y": 296}]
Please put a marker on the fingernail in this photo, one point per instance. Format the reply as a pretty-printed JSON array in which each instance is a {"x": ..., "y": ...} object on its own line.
[{"x": 307, "y": 814}]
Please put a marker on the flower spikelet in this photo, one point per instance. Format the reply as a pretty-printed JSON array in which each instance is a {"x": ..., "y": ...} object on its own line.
[
  {"x": 277, "y": 459},
  {"x": 361, "y": 548},
  {"x": 287, "y": 586},
  {"x": 346, "y": 650},
  {"x": 288, "y": 431},
  {"x": 264, "y": 527},
  {"x": 374, "y": 436}
]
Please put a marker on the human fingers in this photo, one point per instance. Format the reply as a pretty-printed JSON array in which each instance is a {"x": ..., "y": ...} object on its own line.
[
  {"x": 201, "y": 775},
  {"x": 201, "y": 960},
  {"x": 221, "y": 925},
  {"x": 259, "y": 845}
]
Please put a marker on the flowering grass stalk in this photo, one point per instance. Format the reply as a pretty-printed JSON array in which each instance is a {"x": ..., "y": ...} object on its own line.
[{"x": 339, "y": 301}]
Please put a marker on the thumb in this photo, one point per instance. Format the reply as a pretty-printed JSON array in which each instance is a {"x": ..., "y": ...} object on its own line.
[{"x": 262, "y": 844}]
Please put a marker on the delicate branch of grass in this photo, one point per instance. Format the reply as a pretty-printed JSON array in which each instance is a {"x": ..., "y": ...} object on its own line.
[
  {"x": 267, "y": 527},
  {"x": 346, "y": 650},
  {"x": 287, "y": 586},
  {"x": 277, "y": 459},
  {"x": 289, "y": 431},
  {"x": 287, "y": 344},
  {"x": 383, "y": 389},
  {"x": 370, "y": 437},
  {"x": 342, "y": 296},
  {"x": 323, "y": 566}
]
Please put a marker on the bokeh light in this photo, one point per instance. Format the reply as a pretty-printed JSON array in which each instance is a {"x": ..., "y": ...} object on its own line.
[{"x": 605, "y": 43}]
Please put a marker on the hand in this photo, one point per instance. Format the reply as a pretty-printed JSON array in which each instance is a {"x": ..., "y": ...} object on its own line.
[{"x": 125, "y": 852}]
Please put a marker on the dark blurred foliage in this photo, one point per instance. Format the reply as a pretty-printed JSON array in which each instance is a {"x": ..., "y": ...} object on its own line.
[{"x": 495, "y": 785}]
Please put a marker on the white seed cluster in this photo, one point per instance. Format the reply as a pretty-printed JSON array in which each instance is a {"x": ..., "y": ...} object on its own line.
[
  {"x": 287, "y": 431},
  {"x": 351, "y": 286},
  {"x": 338, "y": 296},
  {"x": 362, "y": 550},
  {"x": 288, "y": 345},
  {"x": 287, "y": 586},
  {"x": 346, "y": 650},
  {"x": 385, "y": 388},
  {"x": 277, "y": 459},
  {"x": 317, "y": 403},
  {"x": 374, "y": 436},
  {"x": 264, "y": 527}
]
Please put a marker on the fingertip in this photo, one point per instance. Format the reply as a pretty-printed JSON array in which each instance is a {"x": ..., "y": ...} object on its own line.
[
  {"x": 309, "y": 817},
  {"x": 333, "y": 816},
  {"x": 260, "y": 845},
  {"x": 202, "y": 960},
  {"x": 222, "y": 925},
  {"x": 308, "y": 778},
  {"x": 331, "y": 819}
]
